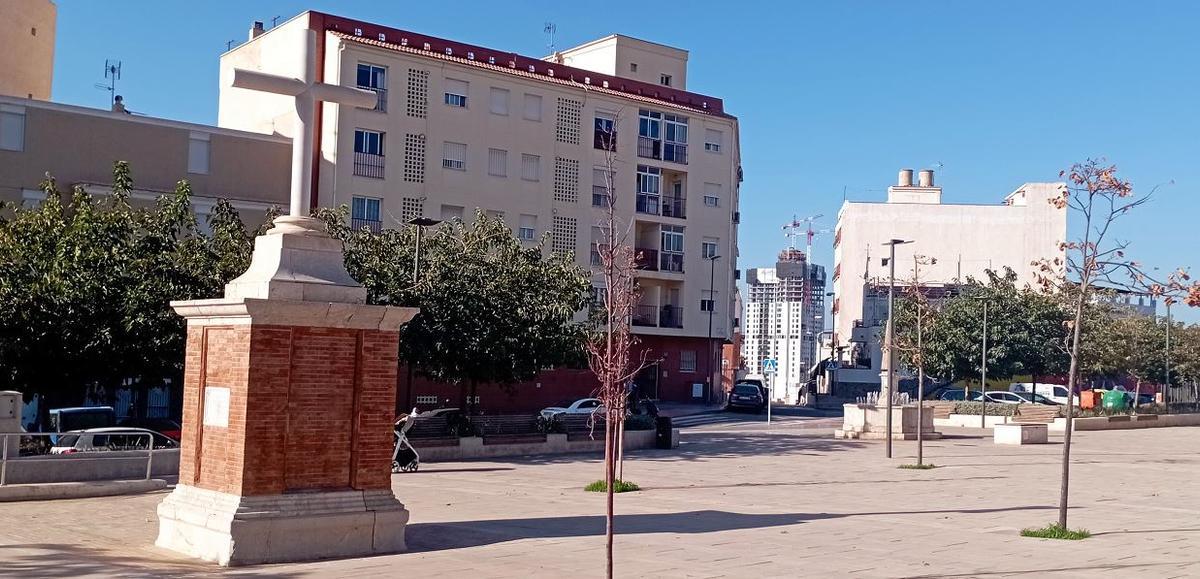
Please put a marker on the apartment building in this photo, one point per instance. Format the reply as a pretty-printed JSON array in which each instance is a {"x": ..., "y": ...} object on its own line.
[
  {"x": 957, "y": 240},
  {"x": 459, "y": 127},
  {"x": 784, "y": 317},
  {"x": 27, "y": 29}
]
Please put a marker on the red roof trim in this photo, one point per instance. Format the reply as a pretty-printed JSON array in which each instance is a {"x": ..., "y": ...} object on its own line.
[{"x": 508, "y": 60}]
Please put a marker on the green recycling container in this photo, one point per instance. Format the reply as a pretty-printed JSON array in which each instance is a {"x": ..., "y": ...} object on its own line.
[{"x": 1115, "y": 400}]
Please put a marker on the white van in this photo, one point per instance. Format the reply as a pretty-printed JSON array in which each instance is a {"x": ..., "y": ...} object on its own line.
[{"x": 1054, "y": 392}]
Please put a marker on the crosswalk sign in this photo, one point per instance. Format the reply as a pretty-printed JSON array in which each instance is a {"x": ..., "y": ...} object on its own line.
[{"x": 770, "y": 366}]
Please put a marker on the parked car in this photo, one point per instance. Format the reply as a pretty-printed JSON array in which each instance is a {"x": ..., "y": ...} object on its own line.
[
  {"x": 164, "y": 426},
  {"x": 956, "y": 395},
  {"x": 745, "y": 395},
  {"x": 1001, "y": 397},
  {"x": 1030, "y": 397},
  {"x": 581, "y": 406},
  {"x": 110, "y": 439},
  {"x": 81, "y": 417},
  {"x": 1054, "y": 392}
]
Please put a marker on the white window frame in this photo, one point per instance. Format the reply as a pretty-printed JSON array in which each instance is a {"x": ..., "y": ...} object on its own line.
[
  {"x": 664, "y": 79},
  {"x": 502, "y": 109},
  {"x": 367, "y": 132},
  {"x": 365, "y": 215},
  {"x": 712, "y": 201},
  {"x": 527, "y": 227},
  {"x": 709, "y": 246},
  {"x": 448, "y": 158},
  {"x": 12, "y": 122},
  {"x": 684, "y": 365},
  {"x": 709, "y": 145},
  {"x": 533, "y": 161},
  {"x": 673, "y": 233},
  {"x": 498, "y": 169},
  {"x": 454, "y": 98},
  {"x": 199, "y": 153},
  {"x": 536, "y": 100}
]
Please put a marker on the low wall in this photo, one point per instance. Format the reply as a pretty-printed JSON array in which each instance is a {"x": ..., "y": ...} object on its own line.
[
  {"x": 971, "y": 420},
  {"x": 90, "y": 466},
  {"x": 1127, "y": 422},
  {"x": 471, "y": 447}
]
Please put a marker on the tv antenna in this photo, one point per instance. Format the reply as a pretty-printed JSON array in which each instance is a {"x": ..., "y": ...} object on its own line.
[
  {"x": 274, "y": 20},
  {"x": 112, "y": 73},
  {"x": 550, "y": 29}
]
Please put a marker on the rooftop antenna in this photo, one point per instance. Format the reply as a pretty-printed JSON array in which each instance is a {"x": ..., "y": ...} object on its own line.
[
  {"x": 229, "y": 45},
  {"x": 112, "y": 73},
  {"x": 274, "y": 20},
  {"x": 550, "y": 28}
]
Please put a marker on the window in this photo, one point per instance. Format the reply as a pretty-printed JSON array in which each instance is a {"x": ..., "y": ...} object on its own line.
[
  {"x": 528, "y": 227},
  {"x": 633, "y": 67},
  {"x": 601, "y": 181},
  {"x": 671, "y": 245},
  {"x": 456, "y": 93},
  {"x": 649, "y": 183},
  {"x": 649, "y": 124},
  {"x": 675, "y": 147},
  {"x": 712, "y": 194},
  {"x": 712, "y": 140},
  {"x": 687, "y": 361},
  {"x": 374, "y": 78},
  {"x": 454, "y": 156},
  {"x": 531, "y": 167},
  {"x": 707, "y": 304},
  {"x": 369, "y": 142},
  {"x": 605, "y": 132},
  {"x": 664, "y": 79},
  {"x": 199, "y": 153},
  {"x": 533, "y": 107},
  {"x": 427, "y": 399},
  {"x": 364, "y": 212},
  {"x": 498, "y": 162},
  {"x": 499, "y": 101},
  {"x": 12, "y": 128},
  {"x": 452, "y": 213},
  {"x": 708, "y": 247}
]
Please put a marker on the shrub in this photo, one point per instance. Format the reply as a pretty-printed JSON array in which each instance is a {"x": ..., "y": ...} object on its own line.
[
  {"x": 1054, "y": 531},
  {"x": 619, "y": 486},
  {"x": 640, "y": 422},
  {"x": 993, "y": 409}
]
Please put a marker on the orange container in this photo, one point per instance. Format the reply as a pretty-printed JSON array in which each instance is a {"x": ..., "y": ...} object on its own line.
[{"x": 1089, "y": 399}]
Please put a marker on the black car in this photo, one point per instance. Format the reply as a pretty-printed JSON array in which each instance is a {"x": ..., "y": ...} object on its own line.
[{"x": 746, "y": 396}]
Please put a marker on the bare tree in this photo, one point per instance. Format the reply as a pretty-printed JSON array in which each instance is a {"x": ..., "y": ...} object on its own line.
[
  {"x": 1100, "y": 197},
  {"x": 919, "y": 313},
  {"x": 610, "y": 349}
]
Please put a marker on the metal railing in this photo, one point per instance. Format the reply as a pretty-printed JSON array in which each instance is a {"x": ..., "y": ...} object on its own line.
[
  {"x": 670, "y": 317},
  {"x": 675, "y": 152},
  {"x": 672, "y": 262},
  {"x": 645, "y": 316},
  {"x": 645, "y": 258},
  {"x": 374, "y": 225},
  {"x": 381, "y": 101},
  {"x": 649, "y": 148},
  {"x": 368, "y": 165},
  {"x": 31, "y": 450},
  {"x": 674, "y": 206},
  {"x": 599, "y": 196},
  {"x": 648, "y": 203}
]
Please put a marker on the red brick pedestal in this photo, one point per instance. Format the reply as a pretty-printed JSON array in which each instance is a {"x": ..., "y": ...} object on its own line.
[{"x": 289, "y": 398}]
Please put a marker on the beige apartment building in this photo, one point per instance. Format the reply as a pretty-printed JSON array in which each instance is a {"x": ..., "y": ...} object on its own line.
[
  {"x": 459, "y": 127},
  {"x": 79, "y": 145},
  {"x": 966, "y": 240},
  {"x": 27, "y": 48}
]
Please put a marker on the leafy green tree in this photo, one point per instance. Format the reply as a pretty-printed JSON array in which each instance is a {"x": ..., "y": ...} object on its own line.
[{"x": 493, "y": 310}]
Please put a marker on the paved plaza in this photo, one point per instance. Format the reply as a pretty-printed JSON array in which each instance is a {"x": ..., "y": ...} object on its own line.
[{"x": 735, "y": 500}]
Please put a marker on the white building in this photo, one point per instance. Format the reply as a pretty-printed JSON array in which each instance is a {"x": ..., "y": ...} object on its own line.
[
  {"x": 966, "y": 240},
  {"x": 460, "y": 127},
  {"x": 783, "y": 320}
]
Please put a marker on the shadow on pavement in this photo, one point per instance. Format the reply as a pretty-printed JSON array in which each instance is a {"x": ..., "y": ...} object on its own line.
[{"x": 62, "y": 560}]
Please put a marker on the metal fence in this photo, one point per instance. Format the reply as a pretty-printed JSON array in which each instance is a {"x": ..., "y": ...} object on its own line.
[{"x": 26, "y": 449}]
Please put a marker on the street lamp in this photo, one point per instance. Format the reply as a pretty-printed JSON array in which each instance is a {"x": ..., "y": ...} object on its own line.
[
  {"x": 712, "y": 306},
  {"x": 891, "y": 354},
  {"x": 1167, "y": 381},
  {"x": 983, "y": 367},
  {"x": 421, "y": 223},
  {"x": 833, "y": 341}
]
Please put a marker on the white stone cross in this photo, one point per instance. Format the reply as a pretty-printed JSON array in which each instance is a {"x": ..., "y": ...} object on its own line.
[{"x": 307, "y": 92}]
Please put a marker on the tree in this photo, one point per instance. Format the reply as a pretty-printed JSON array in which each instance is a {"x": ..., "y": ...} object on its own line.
[
  {"x": 1100, "y": 197},
  {"x": 916, "y": 315},
  {"x": 493, "y": 310}
]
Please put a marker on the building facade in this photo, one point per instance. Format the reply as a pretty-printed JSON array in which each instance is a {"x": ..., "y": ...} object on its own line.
[
  {"x": 460, "y": 128},
  {"x": 784, "y": 318},
  {"x": 966, "y": 240},
  {"x": 27, "y": 30}
]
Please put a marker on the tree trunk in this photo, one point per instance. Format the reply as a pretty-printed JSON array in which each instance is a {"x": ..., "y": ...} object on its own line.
[
  {"x": 609, "y": 476},
  {"x": 1071, "y": 381},
  {"x": 621, "y": 449}
]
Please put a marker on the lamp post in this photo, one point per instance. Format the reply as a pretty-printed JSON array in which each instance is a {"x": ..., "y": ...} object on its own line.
[
  {"x": 833, "y": 343},
  {"x": 420, "y": 223},
  {"x": 712, "y": 306},
  {"x": 1167, "y": 367},
  {"x": 983, "y": 367},
  {"x": 891, "y": 352}
]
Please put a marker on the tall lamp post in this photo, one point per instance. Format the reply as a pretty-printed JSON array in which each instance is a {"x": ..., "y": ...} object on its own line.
[
  {"x": 712, "y": 306},
  {"x": 1167, "y": 379},
  {"x": 891, "y": 352},
  {"x": 983, "y": 367},
  {"x": 833, "y": 343},
  {"x": 420, "y": 223}
]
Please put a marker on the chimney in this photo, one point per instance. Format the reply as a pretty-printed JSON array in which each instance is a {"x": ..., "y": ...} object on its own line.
[
  {"x": 905, "y": 178},
  {"x": 925, "y": 179},
  {"x": 256, "y": 30}
]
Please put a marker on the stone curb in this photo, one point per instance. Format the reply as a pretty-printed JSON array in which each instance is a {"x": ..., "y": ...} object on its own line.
[{"x": 78, "y": 490}]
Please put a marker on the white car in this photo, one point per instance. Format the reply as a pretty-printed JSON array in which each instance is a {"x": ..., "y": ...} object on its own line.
[
  {"x": 1054, "y": 392},
  {"x": 109, "y": 439},
  {"x": 1001, "y": 397},
  {"x": 581, "y": 406}
]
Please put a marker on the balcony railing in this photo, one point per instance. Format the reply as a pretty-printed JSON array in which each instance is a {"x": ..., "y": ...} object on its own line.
[
  {"x": 646, "y": 258},
  {"x": 649, "y": 148},
  {"x": 599, "y": 196},
  {"x": 671, "y": 262},
  {"x": 674, "y": 206},
  {"x": 645, "y": 316},
  {"x": 675, "y": 152},
  {"x": 381, "y": 101},
  {"x": 374, "y": 225},
  {"x": 368, "y": 165},
  {"x": 647, "y": 203},
  {"x": 670, "y": 317}
]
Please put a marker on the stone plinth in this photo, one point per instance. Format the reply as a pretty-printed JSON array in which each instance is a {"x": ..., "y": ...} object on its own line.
[
  {"x": 1018, "y": 434},
  {"x": 866, "y": 421}
]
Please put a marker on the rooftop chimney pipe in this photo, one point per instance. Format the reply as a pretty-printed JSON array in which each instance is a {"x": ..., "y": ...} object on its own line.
[
  {"x": 905, "y": 178},
  {"x": 925, "y": 179},
  {"x": 256, "y": 30}
]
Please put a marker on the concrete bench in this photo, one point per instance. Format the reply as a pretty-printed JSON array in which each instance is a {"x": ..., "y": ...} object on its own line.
[{"x": 1018, "y": 434}]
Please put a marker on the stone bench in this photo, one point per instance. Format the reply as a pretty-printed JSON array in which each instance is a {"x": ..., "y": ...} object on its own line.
[{"x": 1018, "y": 434}]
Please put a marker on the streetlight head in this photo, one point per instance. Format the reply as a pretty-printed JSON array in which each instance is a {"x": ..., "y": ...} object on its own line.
[
  {"x": 713, "y": 257},
  {"x": 424, "y": 221},
  {"x": 897, "y": 242}
]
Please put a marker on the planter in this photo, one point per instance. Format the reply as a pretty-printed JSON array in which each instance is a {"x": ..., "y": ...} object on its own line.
[{"x": 1126, "y": 422}]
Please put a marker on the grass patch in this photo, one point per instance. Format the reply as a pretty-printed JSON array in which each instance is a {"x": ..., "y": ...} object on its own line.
[
  {"x": 619, "y": 486},
  {"x": 923, "y": 466},
  {"x": 1054, "y": 531}
]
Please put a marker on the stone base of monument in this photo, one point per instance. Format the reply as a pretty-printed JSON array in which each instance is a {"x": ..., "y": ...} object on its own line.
[
  {"x": 243, "y": 530},
  {"x": 868, "y": 422}
]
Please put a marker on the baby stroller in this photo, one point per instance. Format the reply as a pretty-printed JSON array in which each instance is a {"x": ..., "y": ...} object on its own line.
[{"x": 404, "y": 456}]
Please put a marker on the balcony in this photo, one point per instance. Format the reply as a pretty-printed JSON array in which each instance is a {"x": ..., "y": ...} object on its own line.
[
  {"x": 649, "y": 148},
  {"x": 647, "y": 203},
  {"x": 646, "y": 258},
  {"x": 675, "y": 152},
  {"x": 358, "y": 223},
  {"x": 672, "y": 262},
  {"x": 368, "y": 165},
  {"x": 674, "y": 206},
  {"x": 670, "y": 317},
  {"x": 381, "y": 100},
  {"x": 645, "y": 316},
  {"x": 651, "y": 316}
]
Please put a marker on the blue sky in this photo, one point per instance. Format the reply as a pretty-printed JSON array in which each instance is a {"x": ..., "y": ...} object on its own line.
[{"x": 832, "y": 96}]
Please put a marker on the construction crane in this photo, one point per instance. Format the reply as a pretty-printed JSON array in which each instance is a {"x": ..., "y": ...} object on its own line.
[{"x": 803, "y": 227}]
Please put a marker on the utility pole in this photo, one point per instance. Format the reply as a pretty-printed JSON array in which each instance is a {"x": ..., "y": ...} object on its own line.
[{"x": 712, "y": 306}]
